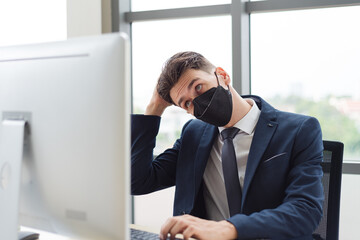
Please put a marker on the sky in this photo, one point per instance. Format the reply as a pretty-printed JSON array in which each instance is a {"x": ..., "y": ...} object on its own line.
[{"x": 312, "y": 53}]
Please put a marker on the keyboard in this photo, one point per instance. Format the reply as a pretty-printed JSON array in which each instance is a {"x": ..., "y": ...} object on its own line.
[{"x": 136, "y": 234}]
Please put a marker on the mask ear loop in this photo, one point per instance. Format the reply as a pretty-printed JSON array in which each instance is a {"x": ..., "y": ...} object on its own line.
[
  {"x": 219, "y": 82},
  {"x": 217, "y": 78}
]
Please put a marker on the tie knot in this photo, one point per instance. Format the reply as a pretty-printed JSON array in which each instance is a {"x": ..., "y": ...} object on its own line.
[{"x": 229, "y": 133}]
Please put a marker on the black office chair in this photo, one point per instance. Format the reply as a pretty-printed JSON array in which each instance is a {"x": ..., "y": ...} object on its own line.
[{"x": 332, "y": 166}]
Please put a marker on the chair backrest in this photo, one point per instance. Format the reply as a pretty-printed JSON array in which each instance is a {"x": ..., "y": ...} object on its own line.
[{"x": 332, "y": 167}]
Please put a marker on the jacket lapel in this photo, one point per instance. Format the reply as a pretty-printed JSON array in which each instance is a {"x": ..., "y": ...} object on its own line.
[
  {"x": 264, "y": 131},
  {"x": 203, "y": 153}
]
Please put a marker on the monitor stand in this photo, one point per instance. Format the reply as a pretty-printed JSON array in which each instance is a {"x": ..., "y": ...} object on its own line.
[{"x": 11, "y": 154}]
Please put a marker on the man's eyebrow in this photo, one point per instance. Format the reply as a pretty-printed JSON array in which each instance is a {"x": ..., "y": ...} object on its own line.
[
  {"x": 192, "y": 83},
  {"x": 188, "y": 87}
]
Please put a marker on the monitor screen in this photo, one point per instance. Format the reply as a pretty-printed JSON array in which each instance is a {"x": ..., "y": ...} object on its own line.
[{"x": 74, "y": 100}]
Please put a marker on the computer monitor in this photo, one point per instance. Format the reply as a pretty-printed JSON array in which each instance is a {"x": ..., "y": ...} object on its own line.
[{"x": 65, "y": 138}]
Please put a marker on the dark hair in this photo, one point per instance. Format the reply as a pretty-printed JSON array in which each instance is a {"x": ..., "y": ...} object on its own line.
[{"x": 175, "y": 66}]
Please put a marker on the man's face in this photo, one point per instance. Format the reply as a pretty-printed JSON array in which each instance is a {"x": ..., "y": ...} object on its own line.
[{"x": 191, "y": 84}]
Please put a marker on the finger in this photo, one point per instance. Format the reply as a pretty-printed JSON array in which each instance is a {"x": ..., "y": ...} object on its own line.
[
  {"x": 189, "y": 232},
  {"x": 178, "y": 227},
  {"x": 165, "y": 228}
]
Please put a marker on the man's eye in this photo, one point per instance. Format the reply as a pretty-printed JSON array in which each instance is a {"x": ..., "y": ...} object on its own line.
[
  {"x": 198, "y": 88},
  {"x": 187, "y": 104}
]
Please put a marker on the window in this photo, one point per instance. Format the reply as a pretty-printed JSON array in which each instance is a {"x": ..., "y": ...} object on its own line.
[
  {"x": 307, "y": 62},
  {"x": 349, "y": 210},
  {"x": 156, "y": 41}
]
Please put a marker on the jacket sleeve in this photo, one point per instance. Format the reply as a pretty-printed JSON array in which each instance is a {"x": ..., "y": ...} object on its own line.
[
  {"x": 301, "y": 210},
  {"x": 149, "y": 174}
]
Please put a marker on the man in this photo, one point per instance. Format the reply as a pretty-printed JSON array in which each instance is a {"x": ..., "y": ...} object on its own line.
[{"x": 277, "y": 192}]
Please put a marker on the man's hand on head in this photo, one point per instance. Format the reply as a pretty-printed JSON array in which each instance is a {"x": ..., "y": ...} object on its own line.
[
  {"x": 194, "y": 227},
  {"x": 157, "y": 105}
]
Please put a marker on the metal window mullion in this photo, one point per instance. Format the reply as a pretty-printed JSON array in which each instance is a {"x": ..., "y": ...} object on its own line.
[
  {"x": 225, "y": 9},
  {"x": 240, "y": 46},
  {"x": 286, "y": 5},
  {"x": 351, "y": 168},
  {"x": 190, "y": 12}
]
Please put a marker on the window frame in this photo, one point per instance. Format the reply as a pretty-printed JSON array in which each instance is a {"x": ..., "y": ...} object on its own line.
[{"x": 240, "y": 11}]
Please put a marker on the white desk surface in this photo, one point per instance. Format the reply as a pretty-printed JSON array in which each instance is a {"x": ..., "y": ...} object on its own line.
[
  {"x": 45, "y": 235},
  {"x": 51, "y": 236}
]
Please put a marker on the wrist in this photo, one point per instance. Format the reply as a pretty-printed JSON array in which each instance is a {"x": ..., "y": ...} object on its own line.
[
  {"x": 230, "y": 231},
  {"x": 154, "y": 109}
]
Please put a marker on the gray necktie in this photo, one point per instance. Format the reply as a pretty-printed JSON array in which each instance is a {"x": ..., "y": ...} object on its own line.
[{"x": 230, "y": 170}]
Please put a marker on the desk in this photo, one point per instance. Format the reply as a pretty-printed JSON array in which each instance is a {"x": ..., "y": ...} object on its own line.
[
  {"x": 45, "y": 235},
  {"x": 51, "y": 236}
]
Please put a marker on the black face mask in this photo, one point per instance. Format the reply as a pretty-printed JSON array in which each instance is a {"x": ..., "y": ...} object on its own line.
[{"x": 214, "y": 106}]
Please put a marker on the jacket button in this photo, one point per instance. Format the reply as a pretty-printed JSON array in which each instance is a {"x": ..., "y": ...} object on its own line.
[{"x": 270, "y": 125}]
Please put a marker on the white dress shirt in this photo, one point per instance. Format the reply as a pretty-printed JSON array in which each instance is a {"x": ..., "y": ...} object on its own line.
[{"x": 214, "y": 190}]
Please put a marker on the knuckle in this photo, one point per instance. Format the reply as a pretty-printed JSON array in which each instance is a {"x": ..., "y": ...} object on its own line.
[{"x": 191, "y": 228}]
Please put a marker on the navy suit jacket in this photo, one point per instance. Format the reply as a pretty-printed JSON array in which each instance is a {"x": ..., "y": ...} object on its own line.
[{"x": 282, "y": 193}]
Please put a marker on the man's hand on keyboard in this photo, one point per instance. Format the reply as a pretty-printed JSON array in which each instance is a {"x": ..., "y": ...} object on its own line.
[{"x": 197, "y": 228}]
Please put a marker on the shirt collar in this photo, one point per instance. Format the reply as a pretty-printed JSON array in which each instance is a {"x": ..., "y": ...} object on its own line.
[{"x": 249, "y": 121}]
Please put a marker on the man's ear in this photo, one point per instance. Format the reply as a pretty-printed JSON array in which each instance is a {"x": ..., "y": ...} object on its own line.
[{"x": 225, "y": 76}]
